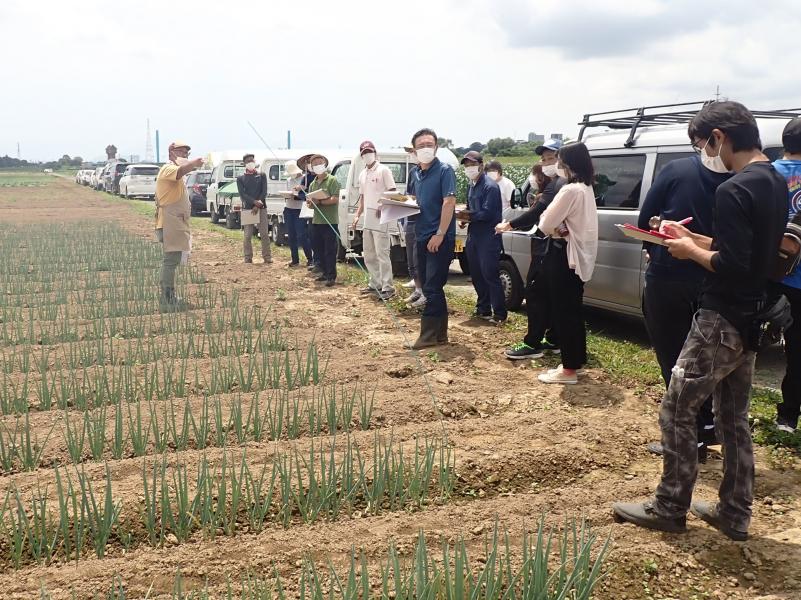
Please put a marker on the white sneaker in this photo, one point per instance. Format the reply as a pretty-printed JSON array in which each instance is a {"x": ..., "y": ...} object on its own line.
[
  {"x": 560, "y": 367},
  {"x": 409, "y": 284},
  {"x": 415, "y": 295},
  {"x": 419, "y": 303},
  {"x": 785, "y": 428},
  {"x": 557, "y": 376}
]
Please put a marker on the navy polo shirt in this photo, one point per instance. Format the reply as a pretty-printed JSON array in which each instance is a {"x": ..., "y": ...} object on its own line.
[
  {"x": 431, "y": 187},
  {"x": 484, "y": 202}
]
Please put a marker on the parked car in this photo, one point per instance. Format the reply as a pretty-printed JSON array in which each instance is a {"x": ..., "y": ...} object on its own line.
[
  {"x": 94, "y": 179},
  {"x": 197, "y": 183},
  {"x": 627, "y": 157},
  {"x": 139, "y": 180},
  {"x": 112, "y": 175}
]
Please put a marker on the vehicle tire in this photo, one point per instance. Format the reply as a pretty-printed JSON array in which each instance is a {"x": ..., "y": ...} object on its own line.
[
  {"x": 231, "y": 219},
  {"x": 463, "y": 264},
  {"x": 214, "y": 214},
  {"x": 274, "y": 232},
  {"x": 342, "y": 254},
  {"x": 125, "y": 194},
  {"x": 512, "y": 283},
  {"x": 397, "y": 255}
]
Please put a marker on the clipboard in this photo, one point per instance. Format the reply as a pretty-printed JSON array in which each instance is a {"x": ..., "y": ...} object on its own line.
[
  {"x": 286, "y": 194},
  {"x": 652, "y": 237},
  {"x": 398, "y": 197},
  {"x": 246, "y": 216},
  {"x": 320, "y": 194},
  {"x": 392, "y": 210}
]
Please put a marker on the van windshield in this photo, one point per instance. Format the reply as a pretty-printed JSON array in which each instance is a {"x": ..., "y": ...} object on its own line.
[{"x": 233, "y": 171}]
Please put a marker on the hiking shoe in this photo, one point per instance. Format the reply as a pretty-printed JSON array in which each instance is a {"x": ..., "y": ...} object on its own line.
[
  {"x": 785, "y": 425},
  {"x": 330, "y": 282},
  {"x": 321, "y": 278},
  {"x": 558, "y": 376},
  {"x": 409, "y": 284},
  {"x": 386, "y": 295},
  {"x": 549, "y": 348},
  {"x": 293, "y": 264},
  {"x": 643, "y": 514},
  {"x": 497, "y": 320},
  {"x": 522, "y": 351},
  {"x": 368, "y": 290},
  {"x": 708, "y": 511},
  {"x": 482, "y": 316},
  {"x": 311, "y": 267},
  {"x": 414, "y": 296},
  {"x": 656, "y": 448},
  {"x": 419, "y": 303}
]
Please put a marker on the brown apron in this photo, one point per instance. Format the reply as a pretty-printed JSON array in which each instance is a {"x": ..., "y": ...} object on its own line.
[{"x": 176, "y": 225}]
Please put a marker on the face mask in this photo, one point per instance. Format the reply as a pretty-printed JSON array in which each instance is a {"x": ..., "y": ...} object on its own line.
[
  {"x": 532, "y": 181},
  {"x": 318, "y": 169},
  {"x": 471, "y": 172},
  {"x": 494, "y": 175},
  {"x": 560, "y": 173},
  {"x": 181, "y": 160},
  {"x": 713, "y": 163},
  {"x": 368, "y": 158},
  {"x": 251, "y": 166},
  {"x": 549, "y": 170},
  {"x": 425, "y": 155}
]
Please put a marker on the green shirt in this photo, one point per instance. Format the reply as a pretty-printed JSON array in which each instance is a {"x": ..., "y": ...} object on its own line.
[{"x": 323, "y": 215}]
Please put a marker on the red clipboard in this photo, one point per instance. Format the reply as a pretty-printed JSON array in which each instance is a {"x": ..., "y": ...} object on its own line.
[{"x": 645, "y": 235}]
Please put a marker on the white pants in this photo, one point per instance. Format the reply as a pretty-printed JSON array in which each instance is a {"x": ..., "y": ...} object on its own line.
[{"x": 375, "y": 249}]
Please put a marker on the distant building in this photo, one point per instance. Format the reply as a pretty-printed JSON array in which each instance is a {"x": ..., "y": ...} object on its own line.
[
  {"x": 557, "y": 136},
  {"x": 536, "y": 138}
]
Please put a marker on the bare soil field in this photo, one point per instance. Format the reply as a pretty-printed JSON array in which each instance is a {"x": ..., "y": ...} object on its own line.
[{"x": 515, "y": 449}]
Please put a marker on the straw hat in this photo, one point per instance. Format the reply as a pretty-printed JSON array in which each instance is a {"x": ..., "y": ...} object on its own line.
[{"x": 291, "y": 169}]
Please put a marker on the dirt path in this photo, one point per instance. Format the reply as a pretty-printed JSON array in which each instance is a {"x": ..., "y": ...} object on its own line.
[{"x": 522, "y": 448}]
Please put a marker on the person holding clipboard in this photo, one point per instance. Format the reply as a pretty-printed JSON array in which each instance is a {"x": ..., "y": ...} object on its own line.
[{"x": 323, "y": 197}]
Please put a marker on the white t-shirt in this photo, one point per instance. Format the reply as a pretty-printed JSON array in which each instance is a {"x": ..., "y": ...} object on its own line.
[
  {"x": 372, "y": 183},
  {"x": 507, "y": 190}
]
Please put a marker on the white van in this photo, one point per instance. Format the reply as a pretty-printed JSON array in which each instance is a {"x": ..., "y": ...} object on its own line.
[
  {"x": 347, "y": 172},
  {"x": 627, "y": 155}
]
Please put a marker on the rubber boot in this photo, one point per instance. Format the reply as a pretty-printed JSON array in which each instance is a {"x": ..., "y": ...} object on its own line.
[
  {"x": 429, "y": 333},
  {"x": 442, "y": 333},
  {"x": 171, "y": 303}
]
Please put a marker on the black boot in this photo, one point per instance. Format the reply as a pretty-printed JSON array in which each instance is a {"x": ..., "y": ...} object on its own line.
[
  {"x": 170, "y": 302},
  {"x": 429, "y": 333},
  {"x": 442, "y": 333}
]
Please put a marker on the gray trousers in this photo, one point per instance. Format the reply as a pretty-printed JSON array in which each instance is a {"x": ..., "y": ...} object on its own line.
[
  {"x": 264, "y": 230},
  {"x": 713, "y": 362},
  {"x": 169, "y": 264}
]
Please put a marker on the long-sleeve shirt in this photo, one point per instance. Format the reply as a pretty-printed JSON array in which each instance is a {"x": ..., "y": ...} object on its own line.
[
  {"x": 749, "y": 220},
  {"x": 484, "y": 203},
  {"x": 684, "y": 188},
  {"x": 532, "y": 216},
  {"x": 574, "y": 206},
  {"x": 252, "y": 187}
]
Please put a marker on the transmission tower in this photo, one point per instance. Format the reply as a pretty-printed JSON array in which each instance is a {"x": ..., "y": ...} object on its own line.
[{"x": 148, "y": 145}]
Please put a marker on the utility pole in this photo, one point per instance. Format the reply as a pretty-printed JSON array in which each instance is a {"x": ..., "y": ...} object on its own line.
[
  {"x": 148, "y": 145},
  {"x": 717, "y": 94},
  {"x": 19, "y": 156},
  {"x": 288, "y": 139},
  {"x": 158, "y": 158}
]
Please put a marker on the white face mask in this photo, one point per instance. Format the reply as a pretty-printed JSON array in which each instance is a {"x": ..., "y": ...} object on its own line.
[
  {"x": 532, "y": 181},
  {"x": 251, "y": 166},
  {"x": 181, "y": 160},
  {"x": 368, "y": 158},
  {"x": 425, "y": 155},
  {"x": 318, "y": 169},
  {"x": 471, "y": 172},
  {"x": 549, "y": 170},
  {"x": 560, "y": 173},
  {"x": 713, "y": 163},
  {"x": 494, "y": 175}
]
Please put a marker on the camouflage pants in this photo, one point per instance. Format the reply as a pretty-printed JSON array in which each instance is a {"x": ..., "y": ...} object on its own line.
[{"x": 712, "y": 361}]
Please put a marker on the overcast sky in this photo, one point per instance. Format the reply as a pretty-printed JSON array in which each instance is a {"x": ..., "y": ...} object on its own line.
[{"x": 79, "y": 76}]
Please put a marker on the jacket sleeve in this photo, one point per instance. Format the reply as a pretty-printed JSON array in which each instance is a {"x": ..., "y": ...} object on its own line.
[
  {"x": 489, "y": 208},
  {"x": 533, "y": 215},
  {"x": 733, "y": 235},
  {"x": 247, "y": 201},
  {"x": 656, "y": 198}
]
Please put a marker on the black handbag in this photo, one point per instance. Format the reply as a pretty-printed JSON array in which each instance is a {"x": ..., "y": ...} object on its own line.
[{"x": 768, "y": 324}]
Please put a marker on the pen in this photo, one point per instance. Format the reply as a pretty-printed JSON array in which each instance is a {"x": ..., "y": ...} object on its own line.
[{"x": 685, "y": 221}]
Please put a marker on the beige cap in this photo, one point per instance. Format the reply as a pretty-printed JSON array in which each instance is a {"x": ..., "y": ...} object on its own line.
[{"x": 180, "y": 144}]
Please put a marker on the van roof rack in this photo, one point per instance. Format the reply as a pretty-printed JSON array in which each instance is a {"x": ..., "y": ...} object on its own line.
[{"x": 663, "y": 114}]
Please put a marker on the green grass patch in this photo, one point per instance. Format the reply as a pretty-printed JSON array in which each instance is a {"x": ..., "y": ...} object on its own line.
[
  {"x": 23, "y": 179},
  {"x": 763, "y": 416}
]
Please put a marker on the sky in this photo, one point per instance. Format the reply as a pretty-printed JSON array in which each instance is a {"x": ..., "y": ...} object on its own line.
[{"x": 81, "y": 75}]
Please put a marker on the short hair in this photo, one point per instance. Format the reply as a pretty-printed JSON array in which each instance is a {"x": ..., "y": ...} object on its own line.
[
  {"x": 494, "y": 165},
  {"x": 425, "y": 131},
  {"x": 247, "y": 156},
  {"x": 576, "y": 157},
  {"x": 733, "y": 119},
  {"x": 791, "y": 136}
]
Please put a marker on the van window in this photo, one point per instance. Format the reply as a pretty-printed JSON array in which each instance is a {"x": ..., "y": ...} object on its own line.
[
  {"x": 233, "y": 171},
  {"x": 341, "y": 173},
  {"x": 398, "y": 171},
  {"x": 276, "y": 172},
  {"x": 664, "y": 158},
  {"x": 618, "y": 180}
]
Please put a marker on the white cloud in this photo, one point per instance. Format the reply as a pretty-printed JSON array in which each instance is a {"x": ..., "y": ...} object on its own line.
[{"x": 337, "y": 73}]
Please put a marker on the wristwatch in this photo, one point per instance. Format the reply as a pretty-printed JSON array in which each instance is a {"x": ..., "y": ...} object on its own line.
[{"x": 439, "y": 232}]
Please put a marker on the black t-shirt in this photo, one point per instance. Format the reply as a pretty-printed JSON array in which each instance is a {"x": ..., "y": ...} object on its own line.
[{"x": 748, "y": 224}]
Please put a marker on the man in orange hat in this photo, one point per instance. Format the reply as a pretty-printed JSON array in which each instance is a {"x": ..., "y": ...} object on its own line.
[{"x": 173, "y": 210}]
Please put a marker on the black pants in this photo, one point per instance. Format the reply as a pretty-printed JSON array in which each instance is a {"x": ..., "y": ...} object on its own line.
[
  {"x": 540, "y": 322},
  {"x": 669, "y": 307},
  {"x": 790, "y": 406},
  {"x": 314, "y": 240},
  {"x": 559, "y": 292},
  {"x": 327, "y": 246}
]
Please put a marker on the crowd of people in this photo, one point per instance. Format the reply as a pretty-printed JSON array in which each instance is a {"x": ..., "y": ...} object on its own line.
[{"x": 708, "y": 298}]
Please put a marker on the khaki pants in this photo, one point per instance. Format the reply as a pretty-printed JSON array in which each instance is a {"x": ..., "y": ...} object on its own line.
[
  {"x": 375, "y": 248},
  {"x": 264, "y": 231}
]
